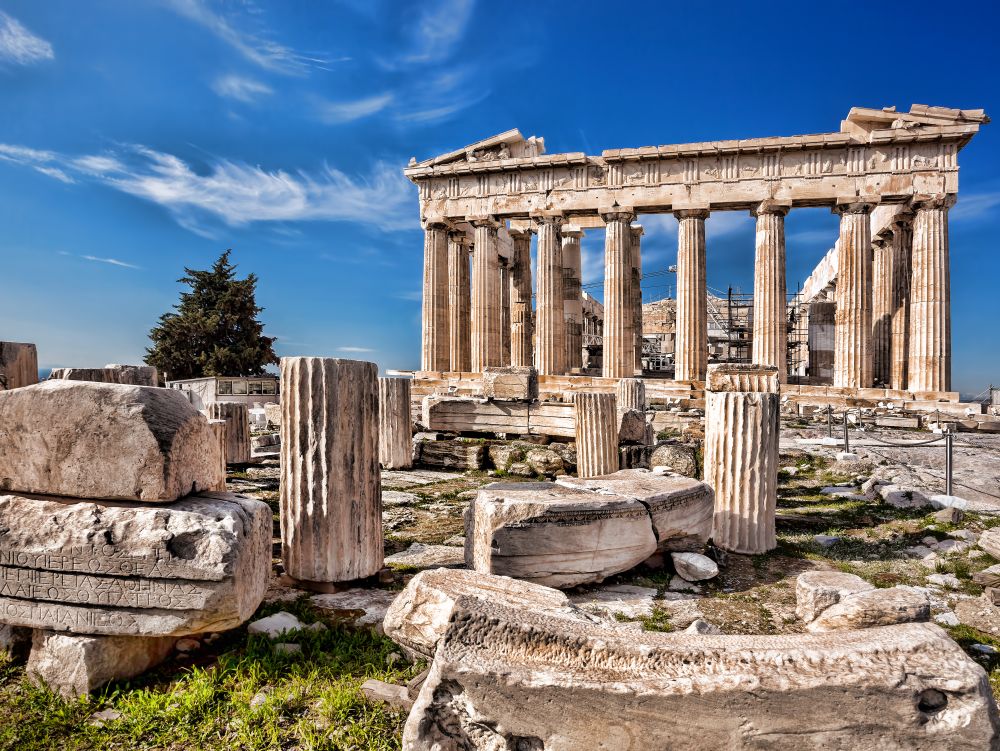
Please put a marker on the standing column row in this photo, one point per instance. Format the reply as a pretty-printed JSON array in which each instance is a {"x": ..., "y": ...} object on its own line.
[
  {"x": 770, "y": 329},
  {"x": 636, "y": 238},
  {"x": 691, "y": 349},
  {"x": 929, "y": 363},
  {"x": 882, "y": 259},
  {"x": 550, "y": 355},
  {"x": 572, "y": 300},
  {"x": 459, "y": 302},
  {"x": 521, "y": 326},
  {"x": 619, "y": 339},
  {"x": 902, "y": 244},
  {"x": 486, "y": 338},
  {"x": 436, "y": 343},
  {"x": 853, "y": 341}
]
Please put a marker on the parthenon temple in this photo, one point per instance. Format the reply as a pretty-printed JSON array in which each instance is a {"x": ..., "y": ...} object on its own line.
[{"x": 878, "y": 306}]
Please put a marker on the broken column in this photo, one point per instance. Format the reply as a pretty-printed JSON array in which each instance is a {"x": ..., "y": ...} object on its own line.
[
  {"x": 18, "y": 365},
  {"x": 331, "y": 500},
  {"x": 929, "y": 366},
  {"x": 395, "y": 423},
  {"x": 550, "y": 330},
  {"x": 436, "y": 343},
  {"x": 741, "y": 454},
  {"x": 459, "y": 302},
  {"x": 619, "y": 342},
  {"x": 572, "y": 295},
  {"x": 521, "y": 327},
  {"x": 852, "y": 361},
  {"x": 596, "y": 434},
  {"x": 770, "y": 319},
  {"x": 691, "y": 348},
  {"x": 237, "y": 417}
]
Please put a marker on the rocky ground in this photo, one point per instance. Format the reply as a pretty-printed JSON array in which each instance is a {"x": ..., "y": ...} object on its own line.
[{"x": 303, "y": 689}]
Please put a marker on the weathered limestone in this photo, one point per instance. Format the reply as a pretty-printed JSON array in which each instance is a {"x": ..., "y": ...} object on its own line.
[
  {"x": 436, "y": 349},
  {"x": 636, "y": 241},
  {"x": 74, "y": 665},
  {"x": 989, "y": 541},
  {"x": 694, "y": 567},
  {"x": 873, "y": 607},
  {"x": 18, "y": 365},
  {"x": 486, "y": 342},
  {"x": 521, "y": 321},
  {"x": 130, "y": 375},
  {"x": 680, "y": 508},
  {"x": 459, "y": 415},
  {"x": 418, "y": 618},
  {"x": 741, "y": 454},
  {"x": 691, "y": 348},
  {"x": 822, "y": 338},
  {"x": 331, "y": 499},
  {"x": 902, "y": 242},
  {"x": 272, "y": 412},
  {"x": 395, "y": 423},
  {"x": 631, "y": 394},
  {"x": 237, "y": 417},
  {"x": 815, "y": 591},
  {"x": 929, "y": 366},
  {"x": 770, "y": 326},
  {"x": 555, "y": 535},
  {"x": 90, "y": 567},
  {"x": 514, "y": 383},
  {"x": 596, "y": 434},
  {"x": 507, "y": 677},
  {"x": 853, "y": 354},
  {"x": 550, "y": 357},
  {"x": 882, "y": 278},
  {"x": 457, "y": 454},
  {"x": 619, "y": 338},
  {"x": 218, "y": 428},
  {"x": 459, "y": 302},
  {"x": 96, "y": 440},
  {"x": 632, "y": 427}
]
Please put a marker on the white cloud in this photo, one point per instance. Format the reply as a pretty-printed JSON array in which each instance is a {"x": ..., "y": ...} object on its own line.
[
  {"x": 241, "y": 88},
  {"x": 111, "y": 261},
  {"x": 974, "y": 205},
  {"x": 20, "y": 46},
  {"x": 354, "y": 349},
  {"x": 439, "y": 29},
  {"x": 334, "y": 113}
]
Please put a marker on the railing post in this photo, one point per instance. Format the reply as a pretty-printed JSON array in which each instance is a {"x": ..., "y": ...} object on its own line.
[
  {"x": 948, "y": 438},
  {"x": 847, "y": 440},
  {"x": 829, "y": 420}
]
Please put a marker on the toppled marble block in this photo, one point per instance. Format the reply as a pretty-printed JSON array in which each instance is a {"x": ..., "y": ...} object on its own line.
[
  {"x": 555, "y": 535},
  {"x": 511, "y": 383},
  {"x": 106, "y": 441},
  {"x": 631, "y": 426},
  {"x": 18, "y": 365},
  {"x": 681, "y": 509},
  {"x": 694, "y": 567},
  {"x": 874, "y": 607},
  {"x": 453, "y": 454},
  {"x": 515, "y": 678},
  {"x": 990, "y": 542},
  {"x": 815, "y": 591},
  {"x": 419, "y": 555},
  {"x": 419, "y": 616},
  {"x": 131, "y": 375},
  {"x": 73, "y": 665},
  {"x": 200, "y": 564}
]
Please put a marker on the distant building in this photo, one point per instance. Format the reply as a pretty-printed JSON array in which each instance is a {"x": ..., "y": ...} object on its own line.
[{"x": 249, "y": 390}]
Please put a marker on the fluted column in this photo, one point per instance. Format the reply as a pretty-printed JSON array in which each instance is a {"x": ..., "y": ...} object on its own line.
[
  {"x": 741, "y": 455},
  {"x": 822, "y": 340},
  {"x": 550, "y": 357},
  {"x": 218, "y": 428},
  {"x": 436, "y": 349},
  {"x": 930, "y": 297},
  {"x": 691, "y": 349},
  {"x": 902, "y": 247},
  {"x": 331, "y": 495},
  {"x": 636, "y": 238},
  {"x": 237, "y": 417},
  {"x": 770, "y": 328},
  {"x": 521, "y": 350},
  {"x": 572, "y": 296},
  {"x": 459, "y": 302},
  {"x": 486, "y": 342},
  {"x": 395, "y": 423},
  {"x": 505, "y": 320},
  {"x": 631, "y": 394},
  {"x": 882, "y": 309},
  {"x": 619, "y": 338},
  {"x": 596, "y": 434},
  {"x": 852, "y": 360}
]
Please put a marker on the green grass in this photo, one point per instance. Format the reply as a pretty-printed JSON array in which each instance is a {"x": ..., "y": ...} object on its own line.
[{"x": 313, "y": 701}]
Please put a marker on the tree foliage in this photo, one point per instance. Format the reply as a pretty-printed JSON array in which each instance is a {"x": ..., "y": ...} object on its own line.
[{"x": 215, "y": 330}]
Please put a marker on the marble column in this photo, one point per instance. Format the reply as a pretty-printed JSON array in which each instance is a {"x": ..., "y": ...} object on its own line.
[
  {"x": 636, "y": 238},
  {"x": 742, "y": 409},
  {"x": 550, "y": 356},
  {"x": 822, "y": 340},
  {"x": 902, "y": 248},
  {"x": 237, "y": 417},
  {"x": 521, "y": 350},
  {"x": 882, "y": 258},
  {"x": 459, "y": 302},
  {"x": 929, "y": 362},
  {"x": 395, "y": 423},
  {"x": 436, "y": 349},
  {"x": 631, "y": 394},
  {"x": 770, "y": 326},
  {"x": 505, "y": 320},
  {"x": 486, "y": 340},
  {"x": 572, "y": 295},
  {"x": 596, "y": 434},
  {"x": 331, "y": 494},
  {"x": 691, "y": 349},
  {"x": 218, "y": 428},
  {"x": 618, "y": 339},
  {"x": 852, "y": 358}
]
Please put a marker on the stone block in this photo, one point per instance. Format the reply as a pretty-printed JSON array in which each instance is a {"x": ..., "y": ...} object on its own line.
[
  {"x": 237, "y": 417},
  {"x": 893, "y": 421},
  {"x": 990, "y": 542},
  {"x": 455, "y": 454},
  {"x": 675, "y": 457},
  {"x": 680, "y": 508},
  {"x": 419, "y": 555},
  {"x": 73, "y": 665},
  {"x": 107, "y": 441},
  {"x": 694, "y": 567},
  {"x": 18, "y": 365},
  {"x": 129, "y": 375},
  {"x": 631, "y": 426},
  {"x": 520, "y": 678},
  {"x": 395, "y": 424},
  {"x": 199, "y": 564},
  {"x": 513, "y": 383},
  {"x": 874, "y": 607},
  {"x": 555, "y": 535},
  {"x": 815, "y": 591}
]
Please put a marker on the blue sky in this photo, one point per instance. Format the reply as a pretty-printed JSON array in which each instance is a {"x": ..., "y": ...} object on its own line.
[{"x": 137, "y": 138}]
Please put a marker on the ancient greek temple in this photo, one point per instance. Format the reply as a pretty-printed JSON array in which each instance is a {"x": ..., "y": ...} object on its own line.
[{"x": 878, "y": 304}]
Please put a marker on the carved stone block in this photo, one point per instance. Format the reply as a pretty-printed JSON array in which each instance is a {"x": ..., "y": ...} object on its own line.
[
  {"x": 237, "y": 417},
  {"x": 510, "y": 383}
]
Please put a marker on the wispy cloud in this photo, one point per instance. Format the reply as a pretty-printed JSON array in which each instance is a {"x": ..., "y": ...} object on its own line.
[
  {"x": 111, "y": 261},
  {"x": 354, "y": 349},
  {"x": 438, "y": 31},
  {"x": 439, "y": 97},
  {"x": 236, "y": 193},
  {"x": 255, "y": 47},
  {"x": 413, "y": 296},
  {"x": 974, "y": 205},
  {"x": 334, "y": 113},
  {"x": 242, "y": 89},
  {"x": 20, "y": 46}
]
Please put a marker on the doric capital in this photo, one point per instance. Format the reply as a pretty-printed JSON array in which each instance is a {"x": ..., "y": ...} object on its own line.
[
  {"x": 691, "y": 213},
  {"x": 556, "y": 218},
  {"x": 855, "y": 205},
  {"x": 771, "y": 206},
  {"x": 490, "y": 222},
  {"x": 637, "y": 231},
  {"x": 881, "y": 241},
  {"x": 939, "y": 201},
  {"x": 571, "y": 232},
  {"x": 617, "y": 214},
  {"x": 522, "y": 233},
  {"x": 458, "y": 237}
]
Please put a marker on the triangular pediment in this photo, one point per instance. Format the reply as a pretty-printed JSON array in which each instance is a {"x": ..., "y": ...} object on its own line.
[{"x": 507, "y": 145}]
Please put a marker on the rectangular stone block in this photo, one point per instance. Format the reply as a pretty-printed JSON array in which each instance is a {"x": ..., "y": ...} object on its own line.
[
  {"x": 130, "y": 375},
  {"x": 453, "y": 415},
  {"x": 513, "y": 383},
  {"x": 18, "y": 365},
  {"x": 199, "y": 564},
  {"x": 891, "y": 421},
  {"x": 461, "y": 455}
]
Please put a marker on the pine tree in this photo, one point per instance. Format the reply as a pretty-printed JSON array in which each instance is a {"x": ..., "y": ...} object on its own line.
[{"x": 215, "y": 331}]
